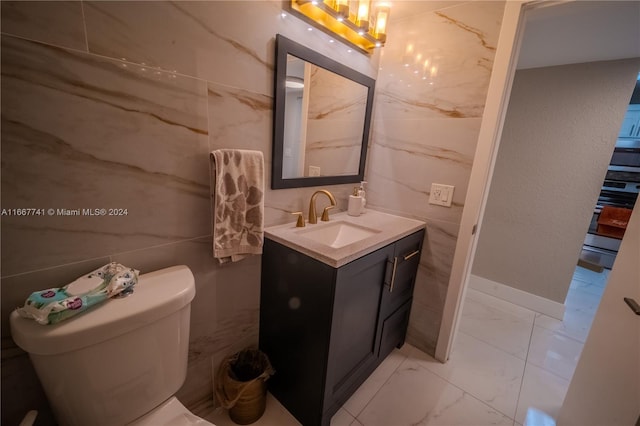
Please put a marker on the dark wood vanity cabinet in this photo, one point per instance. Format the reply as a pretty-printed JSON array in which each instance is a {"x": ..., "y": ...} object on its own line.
[{"x": 326, "y": 329}]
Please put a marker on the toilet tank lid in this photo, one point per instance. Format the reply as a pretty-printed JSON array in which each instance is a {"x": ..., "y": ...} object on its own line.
[{"x": 156, "y": 295}]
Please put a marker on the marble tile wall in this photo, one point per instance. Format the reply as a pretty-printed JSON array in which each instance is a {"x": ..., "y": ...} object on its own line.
[
  {"x": 103, "y": 110},
  {"x": 430, "y": 93}
]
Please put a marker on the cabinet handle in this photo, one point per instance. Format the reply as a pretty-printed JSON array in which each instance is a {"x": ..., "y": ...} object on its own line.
[
  {"x": 410, "y": 255},
  {"x": 633, "y": 305},
  {"x": 393, "y": 274}
]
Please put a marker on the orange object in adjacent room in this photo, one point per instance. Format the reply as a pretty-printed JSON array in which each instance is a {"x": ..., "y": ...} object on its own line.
[{"x": 613, "y": 221}]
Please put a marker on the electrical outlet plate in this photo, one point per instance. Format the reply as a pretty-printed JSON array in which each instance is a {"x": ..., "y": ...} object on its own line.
[
  {"x": 314, "y": 171},
  {"x": 441, "y": 195}
]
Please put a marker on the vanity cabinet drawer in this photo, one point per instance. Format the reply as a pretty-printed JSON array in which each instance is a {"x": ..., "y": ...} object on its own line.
[
  {"x": 326, "y": 329},
  {"x": 399, "y": 285},
  {"x": 394, "y": 329}
]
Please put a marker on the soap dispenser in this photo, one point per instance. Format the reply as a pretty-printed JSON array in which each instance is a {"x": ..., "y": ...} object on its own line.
[
  {"x": 362, "y": 195},
  {"x": 355, "y": 203}
]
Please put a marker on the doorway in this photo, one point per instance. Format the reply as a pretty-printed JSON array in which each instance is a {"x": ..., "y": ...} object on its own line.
[
  {"x": 616, "y": 40},
  {"x": 541, "y": 16}
]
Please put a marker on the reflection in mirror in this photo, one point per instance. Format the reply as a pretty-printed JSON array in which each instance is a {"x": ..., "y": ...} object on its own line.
[{"x": 321, "y": 121}]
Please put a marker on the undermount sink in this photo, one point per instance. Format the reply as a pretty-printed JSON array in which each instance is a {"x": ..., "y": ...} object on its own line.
[
  {"x": 344, "y": 238},
  {"x": 337, "y": 234}
]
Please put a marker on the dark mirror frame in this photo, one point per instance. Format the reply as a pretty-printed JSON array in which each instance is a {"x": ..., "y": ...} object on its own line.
[{"x": 285, "y": 47}]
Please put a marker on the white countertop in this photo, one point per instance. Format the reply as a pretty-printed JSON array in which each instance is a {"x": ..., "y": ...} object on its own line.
[{"x": 391, "y": 228}]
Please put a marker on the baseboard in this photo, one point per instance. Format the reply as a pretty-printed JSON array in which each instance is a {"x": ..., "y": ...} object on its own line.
[{"x": 519, "y": 297}]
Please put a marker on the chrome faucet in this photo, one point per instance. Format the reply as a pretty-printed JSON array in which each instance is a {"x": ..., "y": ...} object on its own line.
[{"x": 313, "y": 218}]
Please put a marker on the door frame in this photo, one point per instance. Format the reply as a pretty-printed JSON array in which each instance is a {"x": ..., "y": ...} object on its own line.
[{"x": 499, "y": 91}]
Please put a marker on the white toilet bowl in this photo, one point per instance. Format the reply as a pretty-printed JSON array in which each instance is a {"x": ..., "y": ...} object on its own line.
[
  {"x": 170, "y": 413},
  {"x": 120, "y": 362}
]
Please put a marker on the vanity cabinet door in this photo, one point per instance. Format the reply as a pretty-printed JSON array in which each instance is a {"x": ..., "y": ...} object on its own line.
[
  {"x": 353, "y": 351},
  {"x": 296, "y": 300}
]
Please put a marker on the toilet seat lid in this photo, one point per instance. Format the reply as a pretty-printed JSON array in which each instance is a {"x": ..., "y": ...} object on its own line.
[{"x": 170, "y": 413}]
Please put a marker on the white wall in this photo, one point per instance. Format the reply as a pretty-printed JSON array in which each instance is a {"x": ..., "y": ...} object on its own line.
[{"x": 560, "y": 129}]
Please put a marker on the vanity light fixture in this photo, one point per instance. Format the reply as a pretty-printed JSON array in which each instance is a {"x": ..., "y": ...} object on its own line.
[
  {"x": 342, "y": 7},
  {"x": 359, "y": 23}
]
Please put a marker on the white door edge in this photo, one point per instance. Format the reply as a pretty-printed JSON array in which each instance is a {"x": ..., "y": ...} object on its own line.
[{"x": 500, "y": 84}]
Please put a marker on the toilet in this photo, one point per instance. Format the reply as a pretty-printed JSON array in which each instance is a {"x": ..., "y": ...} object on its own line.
[{"x": 121, "y": 362}]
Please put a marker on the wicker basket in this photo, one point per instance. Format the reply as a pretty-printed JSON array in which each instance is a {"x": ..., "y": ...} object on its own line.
[
  {"x": 246, "y": 400},
  {"x": 251, "y": 404}
]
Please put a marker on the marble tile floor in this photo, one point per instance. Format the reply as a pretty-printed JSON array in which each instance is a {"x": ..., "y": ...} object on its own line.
[{"x": 508, "y": 363}]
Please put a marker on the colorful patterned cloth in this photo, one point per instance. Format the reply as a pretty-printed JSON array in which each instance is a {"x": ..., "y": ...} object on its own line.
[{"x": 53, "y": 305}]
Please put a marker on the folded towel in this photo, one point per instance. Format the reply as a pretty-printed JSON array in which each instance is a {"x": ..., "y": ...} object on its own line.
[
  {"x": 237, "y": 179},
  {"x": 53, "y": 305}
]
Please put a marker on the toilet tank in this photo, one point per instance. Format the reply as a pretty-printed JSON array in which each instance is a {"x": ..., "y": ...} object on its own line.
[{"x": 119, "y": 360}]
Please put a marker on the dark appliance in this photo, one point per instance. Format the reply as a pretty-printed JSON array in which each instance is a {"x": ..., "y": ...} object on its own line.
[{"x": 619, "y": 189}]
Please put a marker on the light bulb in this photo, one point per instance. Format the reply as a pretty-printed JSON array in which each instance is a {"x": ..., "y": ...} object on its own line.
[
  {"x": 382, "y": 17},
  {"x": 363, "y": 15}
]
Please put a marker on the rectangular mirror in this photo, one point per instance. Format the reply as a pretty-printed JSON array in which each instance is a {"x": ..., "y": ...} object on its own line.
[{"x": 322, "y": 116}]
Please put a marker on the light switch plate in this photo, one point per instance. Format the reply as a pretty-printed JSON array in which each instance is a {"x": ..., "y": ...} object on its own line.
[
  {"x": 441, "y": 195},
  {"x": 314, "y": 171}
]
